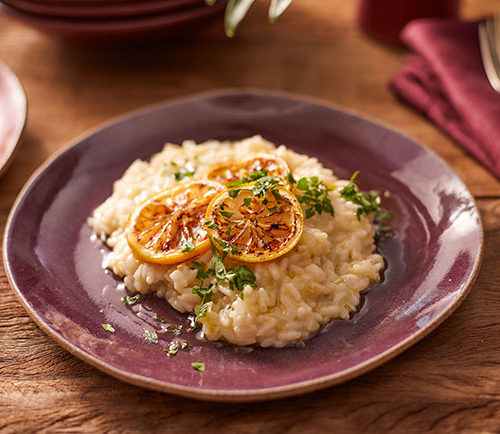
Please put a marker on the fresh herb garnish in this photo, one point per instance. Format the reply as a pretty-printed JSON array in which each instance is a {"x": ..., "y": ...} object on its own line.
[
  {"x": 132, "y": 300},
  {"x": 315, "y": 196},
  {"x": 108, "y": 328},
  {"x": 249, "y": 178},
  {"x": 368, "y": 201},
  {"x": 188, "y": 245},
  {"x": 247, "y": 201},
  {"x": 290, "y": 179},
  {"x": 198, "y": 366},
  {"x": 225, "y": 213},
  {"x": 160, "y": 319},
  {"x": 187, "y": 171},
  {"x": 151, "y": 336},
  {"x": 236, "y": 278},
  {"x": 384, "y": 231},
  {"x": 172, "y": 349},
  {"x": 211, "y": 225},
  {"x": 176, "y": 330}
]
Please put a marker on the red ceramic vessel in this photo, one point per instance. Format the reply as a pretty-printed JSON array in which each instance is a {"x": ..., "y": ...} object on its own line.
[{"x": 384, "y": 19}]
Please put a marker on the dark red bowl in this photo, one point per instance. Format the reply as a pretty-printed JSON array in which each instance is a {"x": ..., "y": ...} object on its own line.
[
  {"x": 100, "y": 10},
  {"x": 55, "y": 268},
  {"x": 119, "y": 29}
]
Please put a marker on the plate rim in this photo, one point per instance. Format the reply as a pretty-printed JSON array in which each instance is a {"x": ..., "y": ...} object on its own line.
[{"x": 235, "y": 395}]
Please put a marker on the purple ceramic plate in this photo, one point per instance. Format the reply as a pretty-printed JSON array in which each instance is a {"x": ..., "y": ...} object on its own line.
[
  {"x": 100, "y": 10},
  {"x": 56, "y": 271},
  {"x": 12, "y": 115},
  {"x": 125, "y": 28}
]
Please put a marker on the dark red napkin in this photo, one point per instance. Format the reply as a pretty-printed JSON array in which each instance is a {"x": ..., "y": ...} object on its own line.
[{"x": 445, "y": 80}]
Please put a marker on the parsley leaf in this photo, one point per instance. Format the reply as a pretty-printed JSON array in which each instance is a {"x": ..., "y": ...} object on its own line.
[
  {"x": 187, "y": 171},
  {"x": 315, "y": 196},
  {"x": 160, "y": 319},
  {"x": 249, "y": 178},
  {"x": 151, "y": 336},
  {"x": 176, "y": 330},
  {"x": 226, "y": 213},
  {"x": 108, "y": 328},
  {"x": 211, "y": 225},
  {"x": 368, "y": 201},
  {"x": 132, "y": 300},
  {"x": 172, "y": 349},
  {"x": 188, "y": 245},
  {"x": 198, "y": 366}
]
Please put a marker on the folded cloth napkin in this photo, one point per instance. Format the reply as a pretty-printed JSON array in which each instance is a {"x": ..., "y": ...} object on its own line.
[{"x": 445, "y": 80}]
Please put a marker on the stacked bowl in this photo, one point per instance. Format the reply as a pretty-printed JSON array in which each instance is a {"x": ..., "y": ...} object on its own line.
[{"x": 111, "y": 20}]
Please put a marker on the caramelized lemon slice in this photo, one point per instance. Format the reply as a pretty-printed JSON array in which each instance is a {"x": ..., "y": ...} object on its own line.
[
  {"x": 255, "y": 228},
  {"x": 168, "y": 227},
  {"x": 227, "y": 173}
]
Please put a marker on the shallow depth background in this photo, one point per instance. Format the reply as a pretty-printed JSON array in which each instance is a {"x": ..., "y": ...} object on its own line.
[{"x": 447, "y": 383}]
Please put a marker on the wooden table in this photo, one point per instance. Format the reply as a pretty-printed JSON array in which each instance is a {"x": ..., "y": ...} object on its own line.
[{"x": 449, "y": 382}]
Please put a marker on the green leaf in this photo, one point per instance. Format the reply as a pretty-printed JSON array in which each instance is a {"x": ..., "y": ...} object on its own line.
[
  {"x": 132, "y": 300},
  {"x": 108, "y": 328},
  {"x": 172, "y": 349},
  {"x": 226, "y": 214},
  {"x": 235, "y": 12},
  {"x": 176, "y": 330},
  {"x": 198, "y": 366},
  {"x": 277, "y": 8},
  {"x": 151, "y": 336},
  {"x": 244, "y": 276},
  {"x": 160, "y": 319},
  {"x": 188, "y": 245},
  {"x": 303, "y": 184}
]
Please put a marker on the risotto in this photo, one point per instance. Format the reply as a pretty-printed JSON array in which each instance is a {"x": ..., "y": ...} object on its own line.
[{"x": 288, "y": 298}]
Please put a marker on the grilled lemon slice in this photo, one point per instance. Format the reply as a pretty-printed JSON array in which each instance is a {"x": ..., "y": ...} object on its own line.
[
  {"x": 227, "y": 173},
  {"x": 168, "y": 227},
  {"x": 255, "y": 228}
]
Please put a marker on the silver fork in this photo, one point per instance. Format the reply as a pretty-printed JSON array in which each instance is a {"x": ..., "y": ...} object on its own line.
[{"x": 489, "y": 42}]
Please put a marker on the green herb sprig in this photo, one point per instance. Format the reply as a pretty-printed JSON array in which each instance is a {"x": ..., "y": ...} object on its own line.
[
  {"x": 187, "y": 171},
  {"x": 314, "y": 195},
  {"x": 237, "y": 278},
  {"x": 368, "y": 201}
]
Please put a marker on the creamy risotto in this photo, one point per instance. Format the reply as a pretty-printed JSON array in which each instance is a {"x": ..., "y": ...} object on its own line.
[{"x": 292, "y": 296}]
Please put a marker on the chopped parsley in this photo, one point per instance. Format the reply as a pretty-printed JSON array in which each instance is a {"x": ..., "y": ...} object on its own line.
[
  {"x": 132, "y": 300},
  {"x": 225, "y": 213},
  {"x": 198, "y": 366},
  {"x": 188, "y": 245},
  {"x": 384, "y": 231},
  {"x": 151, "y": 336},
  {"x": 247, "y": 201},
  {"x": 108, "y": 328},
  {"x": 291, "y": 180},
  {"x": 160, "y": 319},
  {"x": 211, "y": 225},
  {"x": 176, "y": 330},
  {"x": 249, "y": 178},
  {"x": 368, "y": 201},
  {"x": 185, "y": 172},
  {"x": 172, "y": 349},
  {"x": 315, "y": 196},
  {"x": 236, "y": 278}
]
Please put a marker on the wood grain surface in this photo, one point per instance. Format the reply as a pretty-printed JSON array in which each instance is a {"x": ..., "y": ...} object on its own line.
[{"x": 449, "y": 382}]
